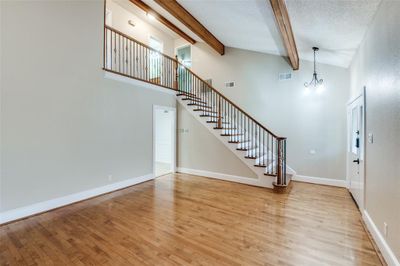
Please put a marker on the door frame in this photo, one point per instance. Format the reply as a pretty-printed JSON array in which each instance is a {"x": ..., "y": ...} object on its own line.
[
  {"x": 184, "y": 46},
  {"x": 348, "y": 136},
  {"x": 174, "y": 132}
]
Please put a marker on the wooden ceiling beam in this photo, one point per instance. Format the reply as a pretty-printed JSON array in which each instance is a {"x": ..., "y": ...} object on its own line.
[
  {"x": 181, "y": 14},
  {"x": 283, "y": 21},
  {"x": 163, "y": 20}
]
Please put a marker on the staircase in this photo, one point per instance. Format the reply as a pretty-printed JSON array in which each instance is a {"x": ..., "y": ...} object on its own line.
[{"x": 260, "y": 149}]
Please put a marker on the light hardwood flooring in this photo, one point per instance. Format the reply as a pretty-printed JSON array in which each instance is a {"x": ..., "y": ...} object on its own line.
[{"x": 181, "y": 219}]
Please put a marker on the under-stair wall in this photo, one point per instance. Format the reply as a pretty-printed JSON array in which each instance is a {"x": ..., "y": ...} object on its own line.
[{"x": 206, "y": 154}]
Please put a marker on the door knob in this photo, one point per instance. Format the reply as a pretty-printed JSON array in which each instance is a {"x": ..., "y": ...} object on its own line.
[{"x": 356, "y": 161}]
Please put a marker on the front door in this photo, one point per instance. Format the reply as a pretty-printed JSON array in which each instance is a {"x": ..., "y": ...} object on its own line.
[{"x": 355, "y": 156}]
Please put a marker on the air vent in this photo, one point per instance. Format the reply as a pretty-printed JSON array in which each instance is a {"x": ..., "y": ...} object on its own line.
[
  {"x": 230, "y": 84},
  {"x": 285, "y": 76}
]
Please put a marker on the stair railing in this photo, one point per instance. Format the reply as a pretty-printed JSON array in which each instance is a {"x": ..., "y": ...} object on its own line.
[{"x": 123, "y": 55}]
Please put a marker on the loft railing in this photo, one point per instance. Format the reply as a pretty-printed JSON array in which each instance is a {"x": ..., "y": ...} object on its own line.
[{"x": 126, "y": 56}]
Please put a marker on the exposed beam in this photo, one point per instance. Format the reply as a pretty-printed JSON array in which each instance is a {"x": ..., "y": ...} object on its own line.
[
  {"x": 283, "y": 21},
  {"x": 163, "y": 20},
  {"x": 181, "y": 14}
]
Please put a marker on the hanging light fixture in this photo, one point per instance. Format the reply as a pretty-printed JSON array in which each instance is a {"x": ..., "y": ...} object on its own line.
[{"x": 315, "y": 82}]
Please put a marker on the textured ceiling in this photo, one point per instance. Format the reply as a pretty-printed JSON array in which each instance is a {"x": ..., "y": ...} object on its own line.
[
  {"x": 241, "y": 24},
  {"x": 336, "y": 26}
]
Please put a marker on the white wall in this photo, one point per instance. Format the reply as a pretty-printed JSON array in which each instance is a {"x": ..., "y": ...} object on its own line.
[
  {"x": 310, "y": 122},
  {"x": 64, "y": 127},
  {"x": 377, "y": 66},
  {"x": 142, "y": 30}
]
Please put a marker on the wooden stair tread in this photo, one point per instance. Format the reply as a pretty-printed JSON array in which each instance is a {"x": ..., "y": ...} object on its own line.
[
  {"x": 204, "y": 110},
  {"x": 193, "y": 100},
  {"x": 227, "y": 135},
  {"x": 244, "y": 149},
  {"x": 252, "y": 157},
  {"x": 188, "y": 94},
  {"x": 211, "y": 116},
  {"x": 211, "y": 121},
  {"x": 225, "y": 128},
  {"x": 201, "y": 105},
  {"x": 244, "y": 141},
  {"x": 268, "y": 174}
]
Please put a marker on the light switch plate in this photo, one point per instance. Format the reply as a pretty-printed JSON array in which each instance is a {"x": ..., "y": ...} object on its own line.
[{"x": 370, "y": 138}]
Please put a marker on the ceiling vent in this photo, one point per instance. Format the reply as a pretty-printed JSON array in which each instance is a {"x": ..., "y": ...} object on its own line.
[
  {"x": 230, "y": 84},
  {"x": 285, "y": 76}
]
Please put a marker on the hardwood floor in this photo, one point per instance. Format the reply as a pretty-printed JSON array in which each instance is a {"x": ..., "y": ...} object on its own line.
[{"x": 181, "y": 219}]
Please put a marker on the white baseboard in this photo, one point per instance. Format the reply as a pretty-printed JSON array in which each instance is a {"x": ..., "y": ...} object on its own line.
[
  {"x": 43, "y": 206},
  {"x": 380, "y": 241},
  {"x": 226, "y": 177},
  {"x": 320, "y": 180}
]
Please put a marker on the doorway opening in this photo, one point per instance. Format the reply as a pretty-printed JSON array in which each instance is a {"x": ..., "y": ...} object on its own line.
[
  {"x": 155, "y": 59},
  {"x": 184, "y": 55},
  {"x": 164, "y": 140},
  {"x": 356, "y": 149}
]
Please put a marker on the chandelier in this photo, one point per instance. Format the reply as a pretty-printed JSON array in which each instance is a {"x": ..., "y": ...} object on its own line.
[{"x": 315, "y": 82}]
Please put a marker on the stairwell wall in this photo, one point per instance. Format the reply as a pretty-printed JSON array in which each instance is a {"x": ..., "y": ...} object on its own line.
[
  {"x": 315, "y": 124},
  {"x": 64, "y": 127},
  {"x": 377, "y": 66}
]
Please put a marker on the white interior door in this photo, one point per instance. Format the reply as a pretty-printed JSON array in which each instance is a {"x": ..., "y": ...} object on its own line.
[
  {"x": 355, "y": 151},
  {"x": 164, "y": 140}
]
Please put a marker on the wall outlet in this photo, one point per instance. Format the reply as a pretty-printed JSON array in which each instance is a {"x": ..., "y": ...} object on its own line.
[
  {"x": 312, "y": 152},
  {"x": 385, "y": 229},
  {"x": 110, "y": 177},
  {"x": 230, "y": 84}
]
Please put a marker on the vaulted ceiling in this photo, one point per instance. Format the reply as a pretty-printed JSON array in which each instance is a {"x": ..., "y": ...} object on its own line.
[{"x": 336, "y": 26}]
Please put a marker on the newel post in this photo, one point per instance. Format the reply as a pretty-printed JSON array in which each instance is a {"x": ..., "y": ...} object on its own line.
[
  {"x": 219, "y": 124},
  {"x": 281, "y": 180},
  {"x": 279, "y": 163}
]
